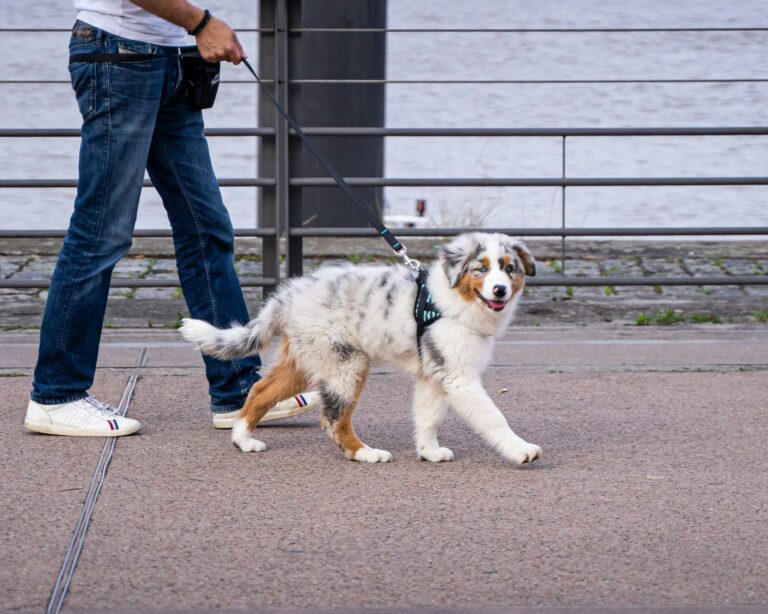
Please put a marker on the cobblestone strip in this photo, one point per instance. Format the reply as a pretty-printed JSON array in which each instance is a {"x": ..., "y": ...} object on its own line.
[{"x": 163, "y": 307}]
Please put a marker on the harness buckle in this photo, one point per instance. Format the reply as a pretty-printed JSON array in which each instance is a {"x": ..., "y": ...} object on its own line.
[{"x": 411, "y": 262}]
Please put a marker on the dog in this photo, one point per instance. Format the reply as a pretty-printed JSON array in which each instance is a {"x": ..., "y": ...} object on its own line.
[{"x": 335, "y": 321}]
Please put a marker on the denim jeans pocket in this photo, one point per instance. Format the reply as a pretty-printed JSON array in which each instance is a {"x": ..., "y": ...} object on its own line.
[
  {"x": 83, "y": 34},
  {"x": 83, "y": 78}
]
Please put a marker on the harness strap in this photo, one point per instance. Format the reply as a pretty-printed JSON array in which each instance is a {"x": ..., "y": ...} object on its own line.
[{"x": 425, "y": 311}]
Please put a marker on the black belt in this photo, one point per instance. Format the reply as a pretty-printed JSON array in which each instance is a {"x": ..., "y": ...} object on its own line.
[{"x": 129, "y": 57}]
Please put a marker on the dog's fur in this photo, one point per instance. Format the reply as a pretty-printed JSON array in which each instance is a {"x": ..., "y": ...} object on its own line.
[{"x": 337, "y": 320}]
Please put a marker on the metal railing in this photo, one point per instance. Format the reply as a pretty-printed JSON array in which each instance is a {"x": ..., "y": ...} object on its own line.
[{"x": 281, "y": 180}]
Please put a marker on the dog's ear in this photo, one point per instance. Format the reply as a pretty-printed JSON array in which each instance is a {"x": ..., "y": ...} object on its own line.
[
  {"x": 455, "y": 257},
  {"x": 529, "y": 264}
]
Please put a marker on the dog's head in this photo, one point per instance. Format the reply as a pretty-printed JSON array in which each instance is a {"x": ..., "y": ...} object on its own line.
[{"x": 487, "y": 268}]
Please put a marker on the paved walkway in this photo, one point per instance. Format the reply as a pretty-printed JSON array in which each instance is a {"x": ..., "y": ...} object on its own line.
[{"x": 653, "y": 488}]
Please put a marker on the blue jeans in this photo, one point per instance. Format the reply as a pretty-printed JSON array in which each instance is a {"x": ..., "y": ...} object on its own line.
[{"x": 136, "y": 116}]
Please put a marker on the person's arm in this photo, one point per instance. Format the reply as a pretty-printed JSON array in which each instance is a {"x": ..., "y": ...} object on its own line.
[{"x": 216, "y": 41}]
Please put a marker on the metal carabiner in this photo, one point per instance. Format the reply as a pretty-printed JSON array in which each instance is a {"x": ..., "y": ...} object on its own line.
[{"x": 411, "y": 262}]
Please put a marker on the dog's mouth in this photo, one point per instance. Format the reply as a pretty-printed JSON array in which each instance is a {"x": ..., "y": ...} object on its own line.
[{"x": 494, "y": 304}]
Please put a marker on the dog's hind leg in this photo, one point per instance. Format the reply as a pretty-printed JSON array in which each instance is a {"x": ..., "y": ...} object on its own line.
[
  {"x": 428, "y": 413},
  {"x": 339, "y": 400},
  {"x": 282, "y": 382}
]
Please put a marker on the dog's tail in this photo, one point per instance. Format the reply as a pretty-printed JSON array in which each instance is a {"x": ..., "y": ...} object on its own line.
[{"x": 235, "y": 342}]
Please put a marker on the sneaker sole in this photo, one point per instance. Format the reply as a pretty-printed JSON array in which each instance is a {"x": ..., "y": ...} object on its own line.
[
  {"x": 228, "y": 423},
  {"x": 73, "y": 431}
]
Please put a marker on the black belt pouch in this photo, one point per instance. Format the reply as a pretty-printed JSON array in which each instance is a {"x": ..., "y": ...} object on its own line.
[
  {"x": 201, "y": 78},
  {"x": 201, "y": 81}
]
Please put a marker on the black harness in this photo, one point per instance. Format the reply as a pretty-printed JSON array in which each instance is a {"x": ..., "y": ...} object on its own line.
[{"x": 425, "y": 311}]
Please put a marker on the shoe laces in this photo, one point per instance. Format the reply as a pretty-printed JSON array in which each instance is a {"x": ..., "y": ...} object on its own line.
[{"x": 101, "y": 408}]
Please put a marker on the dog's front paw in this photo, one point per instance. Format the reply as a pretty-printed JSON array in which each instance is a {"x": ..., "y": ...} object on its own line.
[
  {"x": 372, "y": 455},
  {"x": 525, "y": 453},
  {"x": 250, "y": 445},
  {"x": 241, "y": 438},
  {"x": 436, "y": 455}
]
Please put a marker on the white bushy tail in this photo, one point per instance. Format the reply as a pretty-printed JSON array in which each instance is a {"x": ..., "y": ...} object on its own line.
[{"x": 235, "y": 342}]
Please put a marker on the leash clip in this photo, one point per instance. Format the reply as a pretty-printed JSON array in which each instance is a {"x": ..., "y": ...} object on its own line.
[{"x": 411, "y": 262}]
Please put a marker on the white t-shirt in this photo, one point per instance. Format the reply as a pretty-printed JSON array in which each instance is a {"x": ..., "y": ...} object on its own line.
[{"x": 124, "y": 18}]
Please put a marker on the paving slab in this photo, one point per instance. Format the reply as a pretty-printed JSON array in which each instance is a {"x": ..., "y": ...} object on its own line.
[
  {"x": 44, "y": 482},
  {"x": 646, "y": 494},
  {"x": 652, "y": 492}
]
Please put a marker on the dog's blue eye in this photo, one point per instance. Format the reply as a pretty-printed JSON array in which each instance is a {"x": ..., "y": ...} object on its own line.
[
  {"x": 483, "y": 269},
  {"x": 510, "y": 268}
]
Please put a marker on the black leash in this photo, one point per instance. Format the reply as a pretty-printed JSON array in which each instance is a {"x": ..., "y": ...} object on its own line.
[
  {"x": 361, "y": 205},
  {"x": 425, "y": 311}
]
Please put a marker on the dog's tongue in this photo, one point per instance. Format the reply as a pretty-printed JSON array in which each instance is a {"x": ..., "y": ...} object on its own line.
[{"x": 496, "y": 305}]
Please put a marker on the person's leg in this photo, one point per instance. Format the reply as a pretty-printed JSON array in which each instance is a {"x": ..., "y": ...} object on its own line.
[
  {"x": 180, "y": 167},
  {"x": 119, "y": 104}
]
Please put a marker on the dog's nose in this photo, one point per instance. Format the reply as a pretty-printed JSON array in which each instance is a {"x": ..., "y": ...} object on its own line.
[{"x": 499, "y": 291}]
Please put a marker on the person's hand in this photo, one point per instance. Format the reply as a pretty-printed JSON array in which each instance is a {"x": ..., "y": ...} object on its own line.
[{"x": 217, "y": 42}]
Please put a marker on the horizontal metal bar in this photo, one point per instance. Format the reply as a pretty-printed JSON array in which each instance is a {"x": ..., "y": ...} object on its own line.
[
  {"x": 437, "y": 81},
  {"x": 67, "y": 82},
  {"x": 735, "y": 280},
  {"x": 438, "y": 132},
  {"x": 12, "y": 30},
  {"x": 131, "y": 283},
  {"x": 540, "y": 182},
  {"x": 234, "y": 182},
  {"x": 703, "y": 231},
  {"x": 151, "y": 233},
  {"x": 75, "y": 132},
  {"x": 725, "y": 280},
  {"x": 518, "y": 30},
  {"x": 505, "y": 81},
  {"x": 539, "y": 232},
  {"x": 532, "y": 182},
  {"x": 532, "y": 132},
  {"x": 456, "y": 30}
]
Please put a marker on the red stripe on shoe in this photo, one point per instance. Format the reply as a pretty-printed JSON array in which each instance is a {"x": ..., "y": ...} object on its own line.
[{"x": 300, "y": 400}]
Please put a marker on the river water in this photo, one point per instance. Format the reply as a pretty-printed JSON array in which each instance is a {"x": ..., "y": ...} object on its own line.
[{"x": 641, "y": 55}]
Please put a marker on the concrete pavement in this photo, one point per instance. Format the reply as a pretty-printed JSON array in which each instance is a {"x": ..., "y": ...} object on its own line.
[{"x": 652, "y": 494}]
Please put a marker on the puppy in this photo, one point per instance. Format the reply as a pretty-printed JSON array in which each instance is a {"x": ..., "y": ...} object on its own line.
[{"x": 339, "y": 319}]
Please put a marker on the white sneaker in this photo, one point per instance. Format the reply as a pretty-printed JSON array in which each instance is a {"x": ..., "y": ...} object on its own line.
[
  {"x": 294, "y": 406},
  {"x": 87, "y": 417}
]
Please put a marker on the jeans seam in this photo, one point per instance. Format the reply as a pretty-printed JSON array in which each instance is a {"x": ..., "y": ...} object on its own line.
[
  {"x": 191, "y": 209},
  {"x": 99, "y": 223}
]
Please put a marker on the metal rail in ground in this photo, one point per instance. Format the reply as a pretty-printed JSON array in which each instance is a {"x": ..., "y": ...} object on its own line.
[{"x": 72, "y": 556}]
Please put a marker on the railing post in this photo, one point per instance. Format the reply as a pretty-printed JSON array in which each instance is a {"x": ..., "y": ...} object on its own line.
[
  {"x": 293, "y": 212},
  {"x": 273, "y": 152},
  {"x": 282, "y": 167},
  {"x": 562, "y": 214}
]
